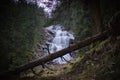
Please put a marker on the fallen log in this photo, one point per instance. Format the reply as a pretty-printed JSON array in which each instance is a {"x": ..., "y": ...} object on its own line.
[{"x": 78, "y": 45}]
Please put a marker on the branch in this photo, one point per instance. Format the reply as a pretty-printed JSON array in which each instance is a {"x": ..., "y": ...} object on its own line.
[{"x": 86, "y": 42}]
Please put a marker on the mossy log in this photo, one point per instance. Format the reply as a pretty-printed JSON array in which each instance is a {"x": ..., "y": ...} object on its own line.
[{"x": 76, "y": 46}]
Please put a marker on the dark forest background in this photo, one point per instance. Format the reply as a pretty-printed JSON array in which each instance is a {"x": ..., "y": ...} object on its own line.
[{"x": 22, "y": 28}]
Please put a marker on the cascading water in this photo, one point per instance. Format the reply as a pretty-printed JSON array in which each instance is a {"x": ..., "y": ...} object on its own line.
[{"x": 59, "y": 39}]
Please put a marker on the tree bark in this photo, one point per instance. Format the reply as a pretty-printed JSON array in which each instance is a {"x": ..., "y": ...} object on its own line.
[
  {"x": 94, "y": 6},
  {"x": 88, "y": 41}
]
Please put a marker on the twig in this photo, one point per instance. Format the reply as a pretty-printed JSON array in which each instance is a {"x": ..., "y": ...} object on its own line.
[
  {"x": 47, "y": 48},
  {"x": 65, "y": 59}
]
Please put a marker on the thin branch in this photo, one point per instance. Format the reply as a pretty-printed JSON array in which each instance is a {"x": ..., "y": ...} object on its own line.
[{"x": 65, "y": 59}]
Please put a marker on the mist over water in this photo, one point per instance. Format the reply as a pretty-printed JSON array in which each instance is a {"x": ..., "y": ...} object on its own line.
[{"x": 59, "y": 39}]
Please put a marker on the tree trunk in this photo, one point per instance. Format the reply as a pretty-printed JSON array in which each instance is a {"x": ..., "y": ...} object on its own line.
[
  {"x": 100, "y": 36},
  {"x": 94, "y": 6}
]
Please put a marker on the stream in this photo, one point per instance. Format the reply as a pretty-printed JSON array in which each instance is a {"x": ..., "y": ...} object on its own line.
[{"x": 59, "y": 39}]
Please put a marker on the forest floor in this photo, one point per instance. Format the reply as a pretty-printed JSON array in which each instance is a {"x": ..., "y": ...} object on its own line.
[
  {"x": 52, "y": 72},
  {"x": 100, "y": 62}
]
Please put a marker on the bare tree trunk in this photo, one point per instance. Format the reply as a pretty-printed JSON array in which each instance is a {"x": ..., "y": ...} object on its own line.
[
  {"x": 94, "y": 6},
  {"x": 60, "y": 53}
]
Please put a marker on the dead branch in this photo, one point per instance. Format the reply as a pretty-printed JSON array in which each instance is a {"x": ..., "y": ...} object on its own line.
[
  {"x": 86, "y": 42},
  {"x": 65, "y": 59}
]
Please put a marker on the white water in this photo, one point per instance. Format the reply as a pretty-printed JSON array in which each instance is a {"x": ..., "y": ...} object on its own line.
[{"x": 60, "y": 40}]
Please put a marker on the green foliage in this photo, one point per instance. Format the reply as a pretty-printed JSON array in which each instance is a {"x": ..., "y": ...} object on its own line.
[
  {"x": 74, "y": 17},
  {"x": 19, "y": 26}
]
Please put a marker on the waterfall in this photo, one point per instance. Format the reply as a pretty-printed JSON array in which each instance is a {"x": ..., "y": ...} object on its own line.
[{"x": 60, "y": 39}]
